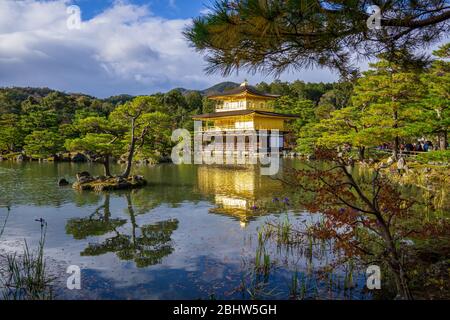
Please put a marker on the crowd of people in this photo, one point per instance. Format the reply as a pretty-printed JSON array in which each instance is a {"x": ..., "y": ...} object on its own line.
[{"x": 419, "y": 146}]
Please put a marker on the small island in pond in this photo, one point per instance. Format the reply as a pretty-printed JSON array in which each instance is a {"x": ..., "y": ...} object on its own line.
[{"x": 87, "y": 182}]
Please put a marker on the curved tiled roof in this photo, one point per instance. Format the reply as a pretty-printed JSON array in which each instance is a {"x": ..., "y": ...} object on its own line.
[
  {"x": 241, "y": 113},
  {"x": 242, "y": 89}
]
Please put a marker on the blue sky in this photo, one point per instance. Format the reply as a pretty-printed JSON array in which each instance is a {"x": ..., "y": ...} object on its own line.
[
  {"x": 122, "y": 47},
  {"x": 170, "y": 9}
]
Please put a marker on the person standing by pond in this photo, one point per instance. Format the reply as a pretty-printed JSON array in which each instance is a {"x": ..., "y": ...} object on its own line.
[
  {"x": 401, "y": 166},
  {"x": 409, "y": 147},
  {"x": 418, "y": 147}
]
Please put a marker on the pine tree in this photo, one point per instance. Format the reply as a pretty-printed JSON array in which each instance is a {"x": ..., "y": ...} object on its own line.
[
  {"x": 98, "y": 136},
  {"x": 272, "y": 36},
  {"x": 389, "y": 99},
  {"x": 437, "y": 100}
]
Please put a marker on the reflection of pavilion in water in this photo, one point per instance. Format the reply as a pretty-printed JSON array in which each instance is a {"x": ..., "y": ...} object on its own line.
[{"x": 237, "y": 191}]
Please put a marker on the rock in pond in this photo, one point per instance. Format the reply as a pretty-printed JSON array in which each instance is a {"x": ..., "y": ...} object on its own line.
[
  {"x": 21, "y": 157},
  {"x": 63, "y": 182},
  {"x": 84, "y": 177},
  {"x": 79, "y": 157}
]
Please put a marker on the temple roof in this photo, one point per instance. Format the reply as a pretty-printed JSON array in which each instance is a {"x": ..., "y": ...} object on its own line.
[
  {"x": 243, "y": 113},
  {"x": 242, "y": 89}
]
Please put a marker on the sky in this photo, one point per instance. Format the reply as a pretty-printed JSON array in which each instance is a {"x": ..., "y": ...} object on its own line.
[{"x": 122, "y": 47}]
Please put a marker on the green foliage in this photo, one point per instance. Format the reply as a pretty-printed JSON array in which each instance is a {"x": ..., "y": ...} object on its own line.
[
  {"x": 176, "y": 105},
  {"x": 194, "y": 102},
  {"x": 299, "y": 89},
  {"x": 302, "y": 108},
  {"x": 42, "y": 122},
  {"x": 437, "y": 100},
  {"x": 118, "y": 100},
  {"x": 39, "y": 120},
  {"x": 94, "y": 124},
  {"x": 340, "y": 127},
  {"x": 156, "y": 140},
  {"x": 11, "y": 135},
  {"x": 208, "y": 105},
  {"x": 84, "y": 123},
  {"x": 133, "y": 110},
  {"x": 11, "y": 99},
  {"x": 101, "y": 144},
  {"x": 389, "y": 100},
  {"x": 306, "y": 100},
  {"x": 434, "y": 156},
  {"x": 43, "y": 143},
  {"x": 336, "y": 99},
  {"x": 391, "y": 103},
  {"x": 26, "y": 110},
  {"x": 98, "y": 136}
]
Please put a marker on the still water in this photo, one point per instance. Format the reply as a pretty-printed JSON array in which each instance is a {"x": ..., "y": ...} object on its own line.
[{"x": 190, "y": 234}]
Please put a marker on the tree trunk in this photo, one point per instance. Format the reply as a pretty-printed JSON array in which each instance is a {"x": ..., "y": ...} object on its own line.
[
  {"x": 107, "y": 211},
  {"x": 443, "y": 140},
  {"x": 397, "y": 139},
  {"x": 396, "y": 148},
  {"x": 132, "y": 218},
  {"x": 394, "y": 261},
  {"x": 361, "y": 152},
  {"x": 106, "y": 166},
  {"x": 127, "y": 171}
]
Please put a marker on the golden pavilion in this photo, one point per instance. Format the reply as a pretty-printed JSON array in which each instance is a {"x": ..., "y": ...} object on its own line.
[{"x": 245, "y": 108}]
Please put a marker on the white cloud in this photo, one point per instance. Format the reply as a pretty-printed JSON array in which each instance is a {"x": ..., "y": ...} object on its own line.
[{"x": 125, "y": 49}]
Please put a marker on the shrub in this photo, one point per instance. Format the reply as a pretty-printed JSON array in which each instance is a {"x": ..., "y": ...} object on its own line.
[{"x": 434, "y": 156}]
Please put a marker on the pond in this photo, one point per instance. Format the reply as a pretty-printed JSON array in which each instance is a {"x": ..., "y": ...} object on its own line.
[{"x": 192, "y": 233}]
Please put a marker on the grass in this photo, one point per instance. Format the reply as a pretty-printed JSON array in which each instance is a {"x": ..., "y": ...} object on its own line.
[
  {"x": 441, "y": 156},
  {"x": 262, "y": 258},
  {"x": 2, "y": 230},
  {"x": 24, "y": 277},
  {"x": 284, "y": 231},
  {"x": 316, "y": 281},
  {"x": 294, "y": 286}
]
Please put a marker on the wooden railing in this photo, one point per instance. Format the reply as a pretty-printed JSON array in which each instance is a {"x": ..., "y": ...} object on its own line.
[
  {"x": 231, "y": 129},
  {"x": 224, "y": 128},
  {"x": 403, "y": 153}
]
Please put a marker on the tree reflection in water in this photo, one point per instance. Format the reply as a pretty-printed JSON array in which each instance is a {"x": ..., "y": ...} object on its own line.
[{"x": 146, "y": 245}]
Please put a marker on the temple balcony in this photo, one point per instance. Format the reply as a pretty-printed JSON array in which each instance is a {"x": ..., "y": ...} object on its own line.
[
  {"x": 231, "y": 128},
  {"x": 213, "y": 129},
  {"x": 243, "y": 105}
]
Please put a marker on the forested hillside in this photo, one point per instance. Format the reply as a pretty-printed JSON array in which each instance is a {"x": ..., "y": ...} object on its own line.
[{"x": 40, "y": 122}]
